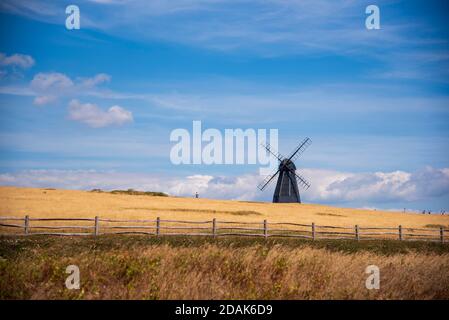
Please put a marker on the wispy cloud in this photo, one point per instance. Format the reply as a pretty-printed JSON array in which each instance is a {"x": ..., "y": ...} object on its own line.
[
  {"x": 267, "y": 28},
  {"x": 30, "y": 8},
  {"x": 309, "y": 25},
  {"x": 352, "y": 100},
  {"x": 242, "y": 106}
]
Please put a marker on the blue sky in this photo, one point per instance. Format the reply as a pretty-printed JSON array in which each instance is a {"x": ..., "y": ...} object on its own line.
[{"x": 374, "y": 102}]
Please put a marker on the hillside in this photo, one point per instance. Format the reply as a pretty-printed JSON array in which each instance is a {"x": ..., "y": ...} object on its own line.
[{"x": 72, "y": 203}]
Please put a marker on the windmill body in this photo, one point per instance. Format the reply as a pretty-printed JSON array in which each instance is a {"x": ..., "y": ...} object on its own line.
[{"x": 287, "y": 184}]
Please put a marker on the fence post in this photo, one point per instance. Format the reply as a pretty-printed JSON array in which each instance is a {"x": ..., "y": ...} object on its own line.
[
  {"x": 27, "y": 224},
  {"x": 265, "y": 229},
  {"x": 400, "y": 232},
  {"x": 214, "y": 227},
  {"x": 357, "y": 236},
  {"x": 441, "y": 234},
  {"x": 97, "y": 226},
  {"x": 158, "y": 226},
  {"x": 313, "y": 230}
]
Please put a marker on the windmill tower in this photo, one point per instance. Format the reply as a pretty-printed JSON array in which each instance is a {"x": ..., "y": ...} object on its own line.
[{"x": 287, "y": 184}]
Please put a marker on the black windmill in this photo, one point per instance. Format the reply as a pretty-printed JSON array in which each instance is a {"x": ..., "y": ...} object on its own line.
[{"x": 287, "y": 184}]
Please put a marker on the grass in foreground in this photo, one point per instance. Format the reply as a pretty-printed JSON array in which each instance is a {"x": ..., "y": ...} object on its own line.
[{"x": 139, "y": 267}]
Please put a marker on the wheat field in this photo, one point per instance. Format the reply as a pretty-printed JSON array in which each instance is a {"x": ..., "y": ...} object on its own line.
[{"x": 44, "y": 203}]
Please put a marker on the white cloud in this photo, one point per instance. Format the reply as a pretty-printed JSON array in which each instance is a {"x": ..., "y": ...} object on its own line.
[
  {"x": 49, "y": 86},
  {"x": 373, "y": 189},
  {"x": 96, "y": 80},
  {"x": 12, "y": 66},
  {"x": 378, "y": 186},
  {"x": 238, "y": 188},
  {"x": 43, "y": 100},
  {"x": 51, "y": 81},
  {"x": 95, "y": 117},
  {"x": 242, "y": 187},
  {"x": 16, "y": 60}
]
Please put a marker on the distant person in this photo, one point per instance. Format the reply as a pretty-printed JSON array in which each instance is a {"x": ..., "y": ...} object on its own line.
[
  {"x": 196, "y": 195},
  {"x": 424, "y": 212},
  {"x": 428, "y": 212}
]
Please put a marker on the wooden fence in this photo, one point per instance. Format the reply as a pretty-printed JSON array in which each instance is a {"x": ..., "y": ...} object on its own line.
[{"x": 214, "y": 228}]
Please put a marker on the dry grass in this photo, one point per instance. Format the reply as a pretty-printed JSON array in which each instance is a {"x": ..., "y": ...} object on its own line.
[
  {"x": 179, "y": 268},
  {"x": 71, "y": 203}
]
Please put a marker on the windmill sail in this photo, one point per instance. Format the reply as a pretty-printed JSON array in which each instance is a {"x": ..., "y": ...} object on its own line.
[
  {"x": 300, "y": 149},
  {"x": 271, "y": 151},
  {"x": 267, "y": 180},
  {"x": 302, "y": 181}
]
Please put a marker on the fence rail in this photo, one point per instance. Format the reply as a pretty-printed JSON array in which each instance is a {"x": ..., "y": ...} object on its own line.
[{"x": 214, "y": 228}]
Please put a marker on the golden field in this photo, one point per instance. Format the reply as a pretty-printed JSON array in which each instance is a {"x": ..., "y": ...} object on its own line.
[
  {"x": 141, "y": 267},
  {"x": 72, "y": 203}
]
